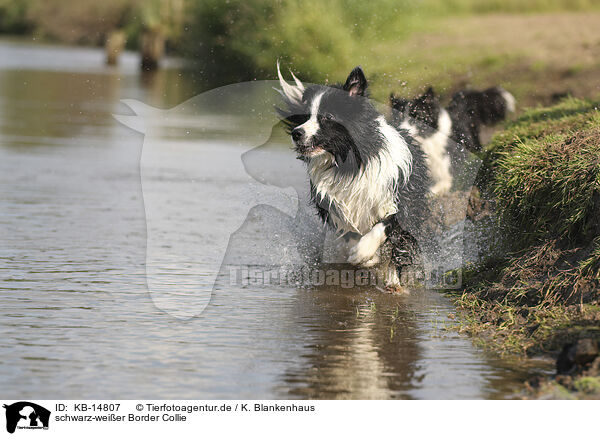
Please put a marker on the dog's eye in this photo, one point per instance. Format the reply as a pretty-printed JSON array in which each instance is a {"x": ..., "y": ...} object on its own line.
[{"x": 328, "y": 116}]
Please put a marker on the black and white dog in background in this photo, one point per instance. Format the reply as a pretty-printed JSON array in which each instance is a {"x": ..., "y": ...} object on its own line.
[
  {"x": 470, "y": 109},
  {"x": 446, "y": 134},
  {"x": 367, "y": 178},
  {"x": 430, "y": 124}
]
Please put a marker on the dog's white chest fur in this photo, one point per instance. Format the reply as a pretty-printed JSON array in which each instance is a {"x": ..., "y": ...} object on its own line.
[{"x": 357, "y": 202}]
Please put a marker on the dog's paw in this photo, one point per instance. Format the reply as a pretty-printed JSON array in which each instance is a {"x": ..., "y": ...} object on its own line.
[
  {"x": 363, "y": 251},
  {"x": 371, "y": 262},
  {"x": 367, "y": 246}
]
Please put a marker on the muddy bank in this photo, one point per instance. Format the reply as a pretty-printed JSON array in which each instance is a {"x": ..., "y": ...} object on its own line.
[{"x": 540, "y": 296}]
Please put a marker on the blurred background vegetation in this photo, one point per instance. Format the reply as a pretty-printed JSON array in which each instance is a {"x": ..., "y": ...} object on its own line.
[{"x": 237, "y": 40}]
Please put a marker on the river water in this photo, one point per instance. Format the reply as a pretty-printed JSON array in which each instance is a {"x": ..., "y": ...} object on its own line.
[{"x": 94, "y": 218}]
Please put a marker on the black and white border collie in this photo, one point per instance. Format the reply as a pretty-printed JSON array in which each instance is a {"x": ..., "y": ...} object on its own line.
[
  {"x": 470, "y": 109},
  {"x": 367, "y": 178},
  {"x": 430, "y": 124},
  {"x": 446, "y": 134}
]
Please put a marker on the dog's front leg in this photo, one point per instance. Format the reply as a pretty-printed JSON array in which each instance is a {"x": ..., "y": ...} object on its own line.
[{"x": 364, "y": 252}]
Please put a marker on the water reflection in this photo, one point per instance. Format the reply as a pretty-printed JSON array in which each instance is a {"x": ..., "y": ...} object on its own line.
[{"x": 368, "y": 350}]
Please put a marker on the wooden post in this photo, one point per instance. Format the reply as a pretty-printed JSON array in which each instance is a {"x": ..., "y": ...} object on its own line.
[
  {"x": 115, "y": 42},
  {"x": 152, "y": 46}
]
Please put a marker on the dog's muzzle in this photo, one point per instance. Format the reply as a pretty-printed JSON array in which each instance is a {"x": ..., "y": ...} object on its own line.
[{"x": 305, "y": 147}]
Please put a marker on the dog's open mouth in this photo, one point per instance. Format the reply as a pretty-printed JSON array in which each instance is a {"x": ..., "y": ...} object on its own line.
[{"x": 308, "y": 151}]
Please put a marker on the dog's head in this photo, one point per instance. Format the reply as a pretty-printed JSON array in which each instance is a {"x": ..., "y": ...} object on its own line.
[
  {"x": 337, "y": 123},
  {"x": 483, "y": 107},
  {"x": 494, "y": 105},
  {"x": 422, "y": 112}
]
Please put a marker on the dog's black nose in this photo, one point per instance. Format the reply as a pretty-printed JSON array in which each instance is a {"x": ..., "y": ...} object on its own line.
[{"x": 297, "y": 134}]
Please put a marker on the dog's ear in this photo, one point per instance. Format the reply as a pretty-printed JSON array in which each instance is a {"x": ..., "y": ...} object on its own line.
[
  {"x": 356, "y": 83},
  {"x": 398, "y": 103},
  {"x": 293, "y": 94},
  {"x": 429, "y": 94}
]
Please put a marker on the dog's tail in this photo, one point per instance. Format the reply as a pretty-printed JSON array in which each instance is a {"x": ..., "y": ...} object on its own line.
[
  {"x": 509, "y": 99},
  {"x": 398, "y": 103}
]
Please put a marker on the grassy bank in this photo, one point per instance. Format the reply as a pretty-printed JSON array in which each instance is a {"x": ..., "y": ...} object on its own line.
[{"x": 543, "y": 176}]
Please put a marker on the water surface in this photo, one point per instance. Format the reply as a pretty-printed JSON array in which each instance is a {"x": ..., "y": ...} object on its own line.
[{"x": 76, "y": 317}]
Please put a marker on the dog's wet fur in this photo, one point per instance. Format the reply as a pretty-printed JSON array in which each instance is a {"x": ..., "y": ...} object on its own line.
[{"x": 367, "y": 178}]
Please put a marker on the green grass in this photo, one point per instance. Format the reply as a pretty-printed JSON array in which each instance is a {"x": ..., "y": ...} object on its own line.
[
  {"x": 510, "y": 328},
  {"x": 547, "y": 172},
  {"x": 589, "y": 385},
  {"x": 543, "y": 174},
  {"x": 240, "y": 40}
]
